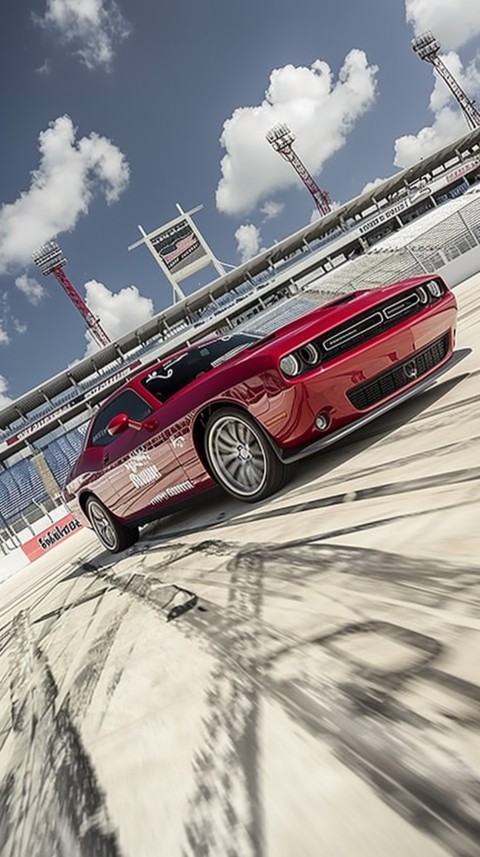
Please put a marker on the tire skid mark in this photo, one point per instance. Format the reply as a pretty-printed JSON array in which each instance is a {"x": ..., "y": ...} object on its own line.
[
  {"x": 450, "y": 478},
  {"x": 48, "y": 621},
  {"x": 322, "y": 503},
  {"x": 55, "y": 805},
  {"x": 363, "y": 716},
  {"x": 6, "y": 805},
  {"x": 65, "y": 608},
  {"x": 405, "y": 460},
  {"x": 398, "y": 751},
  {"x": 390, "y": 488},
  {"x": 412, "y": 772},
  {"x": 461, "y": 402},
  {"x": 413, "y": 795},
  {"x": 225, "y": 810},
  {"x": 378, "y": 522},
  {"x": 86, "y": 680},
  {"x": 225, "y": 813},
  {"x": 372, "y": 730},
  {"x": 431, "y": 802},
  {"x": 170, "y": 599}
]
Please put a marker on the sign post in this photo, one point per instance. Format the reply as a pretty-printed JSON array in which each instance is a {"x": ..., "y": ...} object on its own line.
[{"x": 179, "y": 249}]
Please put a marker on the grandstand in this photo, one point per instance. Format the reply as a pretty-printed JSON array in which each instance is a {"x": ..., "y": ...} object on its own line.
[{"x": 424, "y": 218}]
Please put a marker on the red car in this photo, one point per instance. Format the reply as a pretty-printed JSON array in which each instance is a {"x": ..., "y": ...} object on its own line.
[{"x": 237, "y": 409}]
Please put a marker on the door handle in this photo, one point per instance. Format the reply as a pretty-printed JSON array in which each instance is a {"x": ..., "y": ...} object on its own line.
[{"x": 106, "y": 458}]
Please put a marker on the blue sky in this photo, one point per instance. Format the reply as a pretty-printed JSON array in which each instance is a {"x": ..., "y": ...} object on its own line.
[{"x": 113, "y": 112}]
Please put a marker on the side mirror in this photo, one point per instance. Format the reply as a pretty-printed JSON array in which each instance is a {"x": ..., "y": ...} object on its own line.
[{"x": 118, "y": 424}]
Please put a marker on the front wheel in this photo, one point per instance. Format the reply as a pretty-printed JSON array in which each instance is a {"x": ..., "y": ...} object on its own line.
[
  {"x": 113, "y": 535},
  {"x": 240, "y": 456}
]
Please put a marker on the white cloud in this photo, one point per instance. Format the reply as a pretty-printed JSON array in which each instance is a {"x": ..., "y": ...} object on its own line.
[
  {"x": 4, "y": 319},
  {"x": 71, "y": 172},
  {"x": 271, "y": 209},
  {"x": 31, "y": 288},
  {"x": 449, "y": 122},
  {"x": 45, "y": 69},
  {"x": 318, "y": 109},
  {"x": 4, "y": 397},
  {"x": 93, "y": 28},
  {"x": 453, "y": 22},
  {"x": 19, "y": 326},
  {"x": 448, "y": 125},
  {"x": 248, "y": 240},
  {"x": 120, "y": 311}
]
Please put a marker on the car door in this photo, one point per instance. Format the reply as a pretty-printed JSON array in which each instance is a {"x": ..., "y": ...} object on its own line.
[{"x": 139, "y": 463}]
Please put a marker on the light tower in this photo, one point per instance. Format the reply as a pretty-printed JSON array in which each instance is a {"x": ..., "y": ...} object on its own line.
[
  {"x": 427, "y": 48},
  {"x": 281, "y": 138},
  {"x": 51, "y": 260}
]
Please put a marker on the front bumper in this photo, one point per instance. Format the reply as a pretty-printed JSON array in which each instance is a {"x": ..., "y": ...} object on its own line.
[
  {"x": 290, "y": 455},
  {"x": 361, "y": 383}
]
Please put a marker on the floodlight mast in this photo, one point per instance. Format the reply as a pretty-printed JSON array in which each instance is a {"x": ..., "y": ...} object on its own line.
[
  {"x": 281, "y": 139},
  {"x": 428, "y": 48},
  {"x": 50, "y": 259}
]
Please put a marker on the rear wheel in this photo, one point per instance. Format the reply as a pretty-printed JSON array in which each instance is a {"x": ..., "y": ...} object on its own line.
[
  {"x": 113, "y": 535},
  {"x": 240, "y": 456}
]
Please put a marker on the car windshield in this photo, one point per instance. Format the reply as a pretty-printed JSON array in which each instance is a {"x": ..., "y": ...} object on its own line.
[{"x": 176, "y": 373}]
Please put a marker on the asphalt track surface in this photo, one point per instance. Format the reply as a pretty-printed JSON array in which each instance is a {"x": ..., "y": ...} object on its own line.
[{"x": 294, "y": 679}]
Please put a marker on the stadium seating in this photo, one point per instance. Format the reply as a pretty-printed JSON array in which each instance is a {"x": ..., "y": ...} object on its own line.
[
  {"x": 62, "y": 453},
  {"x": 20, "y": 488}
]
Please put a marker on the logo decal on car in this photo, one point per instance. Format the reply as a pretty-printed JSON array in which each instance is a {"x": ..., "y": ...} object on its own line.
[
  {"x": 178, "y": 442},
  {"x": 137, "y": 459},
  {"x": 410, "y": 370},
  {"x": 140, "y": 471},
  {"x": 173, "y": 491}
]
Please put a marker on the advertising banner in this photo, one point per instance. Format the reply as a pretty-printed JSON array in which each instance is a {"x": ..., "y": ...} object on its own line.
[
  {"x": 51, "y": 537},
  {"x": 464, "y": 168}
]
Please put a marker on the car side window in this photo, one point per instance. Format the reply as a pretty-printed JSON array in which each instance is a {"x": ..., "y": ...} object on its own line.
[{"x": 129, "y": 403}]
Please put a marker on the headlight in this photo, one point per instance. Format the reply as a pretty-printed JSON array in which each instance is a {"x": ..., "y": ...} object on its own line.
[
  {"x": 422, "y": 295},
  {"x": 290, "y": 365},
  {"x": 435, "y": 288},
  {"x": 309, "y": 354}
]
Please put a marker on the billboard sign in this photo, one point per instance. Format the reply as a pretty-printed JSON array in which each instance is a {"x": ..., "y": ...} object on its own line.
[{"x": 179, "y": 249}]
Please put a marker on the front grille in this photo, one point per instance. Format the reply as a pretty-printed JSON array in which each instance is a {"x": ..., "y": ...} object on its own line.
[
  {"x": 363, "y": 328},
  {"x": 369, "y": 324},
  {"x": 367, "y": 395}
]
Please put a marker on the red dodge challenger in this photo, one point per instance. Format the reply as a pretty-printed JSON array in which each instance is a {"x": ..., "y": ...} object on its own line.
[{"x": 238, "y": 409}]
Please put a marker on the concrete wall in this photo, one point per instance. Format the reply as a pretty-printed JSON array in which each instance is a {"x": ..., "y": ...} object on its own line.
[{"x": 462, "y": 268}]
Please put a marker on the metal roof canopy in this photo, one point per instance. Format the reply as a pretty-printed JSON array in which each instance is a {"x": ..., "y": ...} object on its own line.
[{"x": 469, "y": 144}]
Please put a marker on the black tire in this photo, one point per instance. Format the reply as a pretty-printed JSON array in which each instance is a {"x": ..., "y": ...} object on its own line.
[
  {"x": 241, "y": 457},
  {"x": 113, "y": 535}
]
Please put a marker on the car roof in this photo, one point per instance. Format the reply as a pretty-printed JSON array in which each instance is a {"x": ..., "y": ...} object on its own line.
[{"x": 144, "y": 371}]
